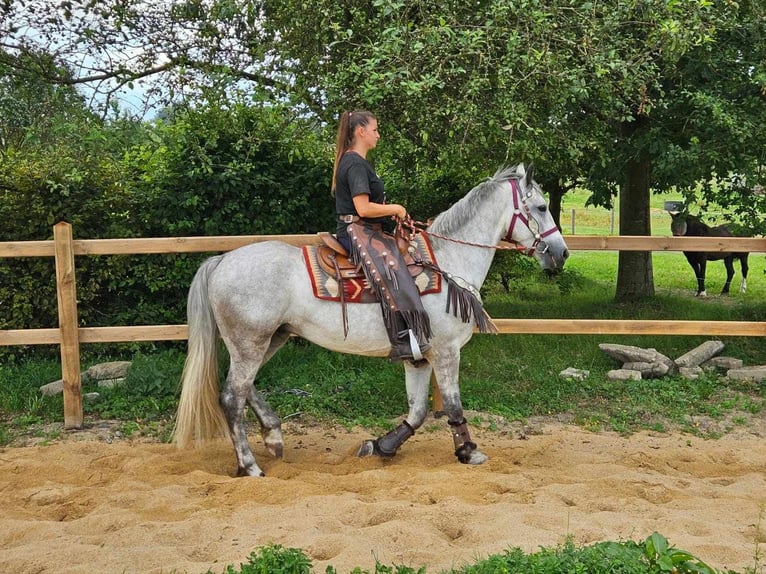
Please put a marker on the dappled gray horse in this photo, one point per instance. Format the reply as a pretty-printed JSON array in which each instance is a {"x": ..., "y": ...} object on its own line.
[{"x": 258, "y": 296}]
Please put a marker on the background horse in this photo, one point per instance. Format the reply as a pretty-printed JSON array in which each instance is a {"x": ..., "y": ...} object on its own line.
[
  {"x": 690, "y": 225},
  {"x": 258, "y": 296}
]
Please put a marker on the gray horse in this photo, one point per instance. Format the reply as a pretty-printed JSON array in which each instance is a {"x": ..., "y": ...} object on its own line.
[{"x": 258, "y": 296}]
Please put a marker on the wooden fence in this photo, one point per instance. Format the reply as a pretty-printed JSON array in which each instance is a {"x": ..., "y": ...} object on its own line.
[{"x": 69, "y": 336}]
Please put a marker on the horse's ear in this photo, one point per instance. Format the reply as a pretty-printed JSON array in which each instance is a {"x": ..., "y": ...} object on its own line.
[{"x": 530, "y": 173}]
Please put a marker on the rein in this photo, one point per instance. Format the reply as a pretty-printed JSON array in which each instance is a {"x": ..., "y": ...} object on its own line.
[{"x": 520, "y": 213}]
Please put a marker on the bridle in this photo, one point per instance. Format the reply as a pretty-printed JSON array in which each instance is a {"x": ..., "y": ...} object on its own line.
[
  {"x": 524, "y": 214},
  {"x": 521, "y": 212}
]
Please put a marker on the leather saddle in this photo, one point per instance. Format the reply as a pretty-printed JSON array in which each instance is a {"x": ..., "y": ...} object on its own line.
[{"x": 334, "y": 259}]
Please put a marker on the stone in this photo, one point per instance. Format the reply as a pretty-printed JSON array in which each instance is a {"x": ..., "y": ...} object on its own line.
[
  {"x": 110, "y": 370},
  {"x": 576, "y": 374},
  {"x": 648, "y": 370},
  {"x": 699, "y": 355},
  {"x": 91, "y": 397},
  {"x": 113, "y": 372},
  {"x": 110, "y": 383},
  {"x": 722, "y": 364},
  {"x": 630, "y": 354},
  {"x": 690, "y": 372},
  {"x": 756, "y": 374},
  {"x": 623, "y": 375},
  {"x": 54, "y": 388}
]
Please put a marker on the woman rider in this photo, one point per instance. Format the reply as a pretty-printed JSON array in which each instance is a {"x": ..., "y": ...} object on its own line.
[{"x": 360, "y": 204}]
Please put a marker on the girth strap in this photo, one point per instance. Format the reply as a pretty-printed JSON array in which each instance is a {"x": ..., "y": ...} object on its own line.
[{"x": 341, "y": 293}]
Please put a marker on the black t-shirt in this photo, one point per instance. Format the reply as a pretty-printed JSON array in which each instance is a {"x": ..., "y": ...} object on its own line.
[{"x": 355, "y": 176}]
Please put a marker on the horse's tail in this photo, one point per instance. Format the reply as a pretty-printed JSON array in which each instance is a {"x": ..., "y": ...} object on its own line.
[{"x": 199, "y": 415}]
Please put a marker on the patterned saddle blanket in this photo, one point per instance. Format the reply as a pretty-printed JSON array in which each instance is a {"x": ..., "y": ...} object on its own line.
[{"x": 324, "y": 264}]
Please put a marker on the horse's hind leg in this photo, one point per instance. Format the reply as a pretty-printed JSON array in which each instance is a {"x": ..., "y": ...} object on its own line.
[
  {"x": 700, "y": 270},
  {"x": 271, "y": 425},
  {"x": 744, "y": 268},
  {"x": 245, "y": 360},
  {"x": 417, "y": 381},
  {"x": 729, "y": 263}
]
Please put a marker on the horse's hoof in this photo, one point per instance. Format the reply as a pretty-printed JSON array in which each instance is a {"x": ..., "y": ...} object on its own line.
[
  {"x": 367, "y": 449},
  {"x": 469, "y": 454},
  {"x": 275, "y": 450},
  {"x": 477, "y": 457},
  {"x": 251, "y": 471},
  {"x": 274, "y": 443}
]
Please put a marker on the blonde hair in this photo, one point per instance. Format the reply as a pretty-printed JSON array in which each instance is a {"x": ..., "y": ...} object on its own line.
[{"x": 347, "y": 125}]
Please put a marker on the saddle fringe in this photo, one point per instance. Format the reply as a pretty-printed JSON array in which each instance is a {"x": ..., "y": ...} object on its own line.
[{"x": 465, "y": 304}]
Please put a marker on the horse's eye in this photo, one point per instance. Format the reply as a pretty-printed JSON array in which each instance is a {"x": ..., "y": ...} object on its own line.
[{"x": 543, "y": 208}]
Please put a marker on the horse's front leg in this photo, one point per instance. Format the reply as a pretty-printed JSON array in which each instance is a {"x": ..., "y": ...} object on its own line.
[
  {"x": 417, "y": 380},
  {"x": 447, "y": 367}
]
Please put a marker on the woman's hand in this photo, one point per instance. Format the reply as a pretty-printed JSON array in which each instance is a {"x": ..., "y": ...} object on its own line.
[{"x": 400, "y": 212}]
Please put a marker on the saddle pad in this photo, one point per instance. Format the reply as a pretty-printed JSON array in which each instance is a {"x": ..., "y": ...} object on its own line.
[{"x": 358, "y": 290}]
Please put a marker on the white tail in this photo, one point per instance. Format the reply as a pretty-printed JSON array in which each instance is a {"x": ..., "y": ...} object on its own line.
[{"x": 199, "y": 415}]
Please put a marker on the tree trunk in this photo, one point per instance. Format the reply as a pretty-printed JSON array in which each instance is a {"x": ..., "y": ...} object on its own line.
[
  {"x": 635, "y": 279},
  {"x": 555, "y": 192}
]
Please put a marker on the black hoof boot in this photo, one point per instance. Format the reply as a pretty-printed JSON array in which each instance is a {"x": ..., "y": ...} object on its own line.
[{"x": 387, "y": 445}]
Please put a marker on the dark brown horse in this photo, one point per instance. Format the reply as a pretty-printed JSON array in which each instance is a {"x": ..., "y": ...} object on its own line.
[{"x": 690, "y": 225}]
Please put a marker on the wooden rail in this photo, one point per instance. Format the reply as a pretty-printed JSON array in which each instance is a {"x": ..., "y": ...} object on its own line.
[{"x": 69, "y": 336}]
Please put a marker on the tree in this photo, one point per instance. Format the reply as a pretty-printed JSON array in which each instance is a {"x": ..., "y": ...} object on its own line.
[
  {"x": 692, "y": 111},
  {"x": 629, "y": 96},
  {"x": 31, "y": 106},
  {"x": 169, "y": 51}
]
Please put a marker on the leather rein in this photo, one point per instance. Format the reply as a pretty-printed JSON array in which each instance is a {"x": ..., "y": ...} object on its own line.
[{"x": 521, "y": 213}]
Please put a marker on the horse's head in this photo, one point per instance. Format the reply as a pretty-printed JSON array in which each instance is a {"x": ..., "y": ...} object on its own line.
[
  {"x": 532, "y": 225},
  {"x": 680, "y": 220},
  {"x": 678, "y": 225}
]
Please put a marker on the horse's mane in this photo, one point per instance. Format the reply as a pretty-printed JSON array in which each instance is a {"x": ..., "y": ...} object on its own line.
[{"x": 466, "y": 208}]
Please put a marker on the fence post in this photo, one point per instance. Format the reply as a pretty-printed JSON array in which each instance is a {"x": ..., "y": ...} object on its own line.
[
  {"x": 66, "y": 289},
  {"x": 437, "y": 405}
]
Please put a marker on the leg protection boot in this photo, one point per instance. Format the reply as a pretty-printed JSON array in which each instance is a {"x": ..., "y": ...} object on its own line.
[
  {"x": 462, "y": 439},
  {"x": 388, "y": 444}
]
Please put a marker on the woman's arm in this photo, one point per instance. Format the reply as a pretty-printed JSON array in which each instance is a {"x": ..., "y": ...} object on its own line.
[{"x": 366, "y": 208}]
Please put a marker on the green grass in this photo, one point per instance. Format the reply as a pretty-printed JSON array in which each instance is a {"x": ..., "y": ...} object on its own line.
[{"x": 655, "y": 555}]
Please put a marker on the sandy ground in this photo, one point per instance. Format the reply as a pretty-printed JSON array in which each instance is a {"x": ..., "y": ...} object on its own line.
[{"x": 88, "y": 505}]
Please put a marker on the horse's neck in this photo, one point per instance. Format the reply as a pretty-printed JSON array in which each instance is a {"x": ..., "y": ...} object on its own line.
[
  {"x": 701, "y": 230},
  {"x": 484, "y": 228}
]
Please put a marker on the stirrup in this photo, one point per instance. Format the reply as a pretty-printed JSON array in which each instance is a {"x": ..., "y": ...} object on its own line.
[
  {"x": 415, "y": 346},
  {"x": 407, "y": 348}
]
